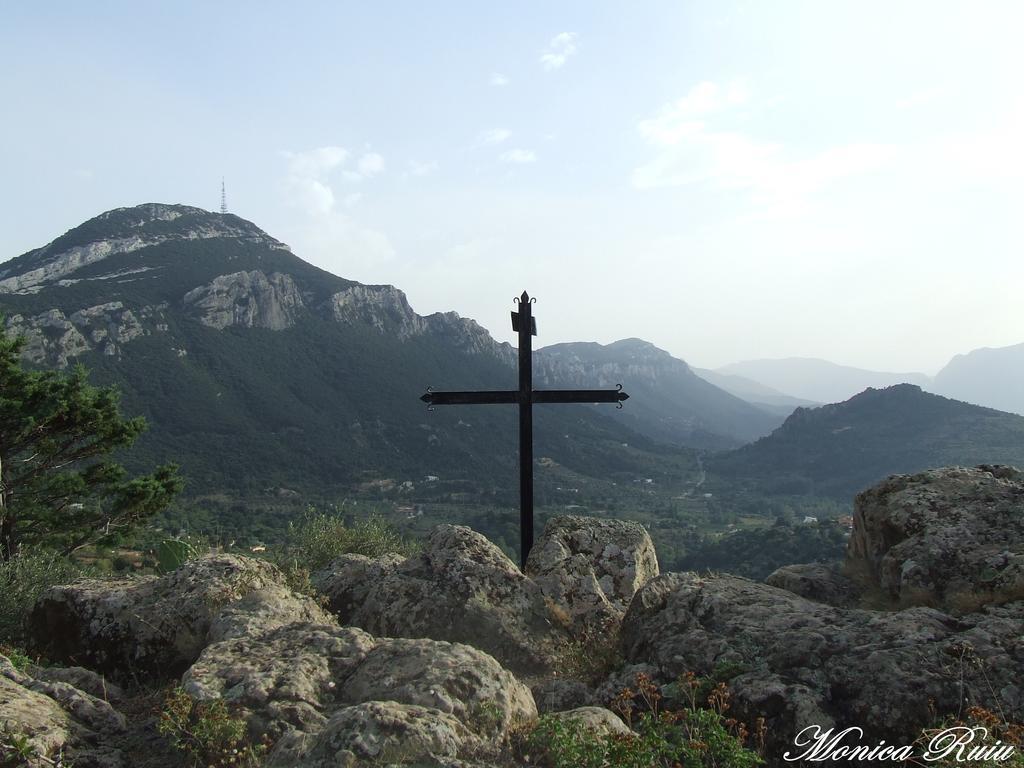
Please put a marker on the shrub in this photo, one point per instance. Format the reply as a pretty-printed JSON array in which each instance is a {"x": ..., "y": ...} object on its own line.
[
  {"x": 692, "y": 737},
  {"x": 171, "y": 554},
  {"x": 318, "y": 538},
  {"x": 1001, "y": 741},
  {"x": 23, "y": 579},
  {"x": 207, "y": 732},
  {"x": 593, "y": 654}
]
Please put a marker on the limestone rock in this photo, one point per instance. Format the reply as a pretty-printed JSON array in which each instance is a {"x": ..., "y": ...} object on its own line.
[
  {"x": 128, "y": 230},
  {"x": 621, "y": 679},
  {"x": 806, "y": 663},
  {"x": 271, "y": 606},
  {"x": 453, "y": 678},
  {"x": 821, "y": 582},
  {"x": 592, "y": 567},
  {"x": 81, "y": 678},
  {"x": 59, "y": 719},
  {"x": 602, "y": 722},
  {"x": 53, "y": 339},
  {"x": 314, "y": 686},
  {"x": 151, "y": 625},
  {"x": 376, "y": 733},
  {"x": 382, "y": 307},
  {"x": 460, "y": 588},
  {"x": 246, "y": 299},
  {"x": 289, "y": 677},
  {"x": 952, "y": 538},
  {"x": 556, "y": 694}
]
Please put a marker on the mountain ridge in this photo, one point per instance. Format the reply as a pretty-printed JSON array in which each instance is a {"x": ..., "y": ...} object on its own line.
[{"x": 836, "y": 450}]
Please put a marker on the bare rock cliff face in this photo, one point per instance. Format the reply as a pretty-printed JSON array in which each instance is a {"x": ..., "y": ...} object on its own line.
[
  {"x": 386, "y": 309},
  {"x": 382, "y": 307},
  {"x": 52, "y": 338},
  {"x": 246, "y": 299}
]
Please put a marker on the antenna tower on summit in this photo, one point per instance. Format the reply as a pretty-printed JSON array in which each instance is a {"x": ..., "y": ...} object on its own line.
[{"x": 223, "y": 197}]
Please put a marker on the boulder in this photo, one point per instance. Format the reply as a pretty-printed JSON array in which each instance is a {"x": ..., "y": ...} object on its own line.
[
  {"x": 951, "y": 538},
  {"x": 159, "y": 626},
  {"x": 557, "y": 694},
  {"x": 286, "y": 678},
  {"x": 591, "y": 568},
  {"x": 802, "y": 663},
  {"x": 460, "y": 588},
  {"x": 820, "y": 582},
  {"x": 380, "y": 733},
  {"x": 323, "y": 692},
  {"x": 59, "y": 720},
  {"x": 81, "y": 678},
  {"x": 453, "y": 678},
  {"x": 600, "y": 721}
]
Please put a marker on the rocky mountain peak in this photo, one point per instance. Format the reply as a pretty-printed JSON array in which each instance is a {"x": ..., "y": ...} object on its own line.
[{"x": 119, "y": 231}]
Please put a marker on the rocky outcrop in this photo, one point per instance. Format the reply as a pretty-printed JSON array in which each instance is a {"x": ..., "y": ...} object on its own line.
[
  {"x": 802, "y": 663},
  {"x": 377, "y": 733},
  {"x": 246, "y": 299},
  {"x": 53, "y": 339},
  {"x": 386, "y": 309},
  {"x": 382, "y": 307},
  {"x": 591, "y": 568},
  {"x": 597, "y": 720},
  {"x": 951, "y": 538},
  {"x": 125, "y": 230},
  {"x": 58, "y": 720},
  {"x": 159, "y": 626},
  {"x": 398, "y": 701},
  {"x": 460, "y": 588},
  {"x": 821, "y": 582}
]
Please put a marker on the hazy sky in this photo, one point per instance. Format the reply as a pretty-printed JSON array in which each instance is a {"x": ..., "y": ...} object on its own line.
[{"x": 726, "y": 180}]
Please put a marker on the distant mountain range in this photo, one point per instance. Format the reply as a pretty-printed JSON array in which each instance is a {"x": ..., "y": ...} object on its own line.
[
  {"x": 992, "y": 377},
  {"x": 818, "y": 381},
  {"x": 668, "y": 401},
  {"x": 259, "y": 371},
  {"x": 754, "y": 392},
  {"x": 837, "y": 450},
  {"x": 256, "y": 369}
]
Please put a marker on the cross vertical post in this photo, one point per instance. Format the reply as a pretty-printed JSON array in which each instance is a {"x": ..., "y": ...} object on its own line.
[
  {"x": 525, "y": 427},
  {"x": 524, "y": 325}
]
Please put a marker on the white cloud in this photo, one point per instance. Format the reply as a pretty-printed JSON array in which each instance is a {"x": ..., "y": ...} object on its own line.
[
  {"x": 326, "y": 233},
  {"x": 308, "y": 179},
  {"x": 518, "y": 156},
  {"x": 371, "y": 164},
  {"x": 494, "y": 136},
  {"x": 498, "y": 80},
  {"x": 561, "y": 47},
  {"x": 417, "y": 168},
  {"x": 690, "y": 149}
]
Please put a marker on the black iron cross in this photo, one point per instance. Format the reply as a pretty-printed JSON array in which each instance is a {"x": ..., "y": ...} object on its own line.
[{"x": 524, "y": 323}]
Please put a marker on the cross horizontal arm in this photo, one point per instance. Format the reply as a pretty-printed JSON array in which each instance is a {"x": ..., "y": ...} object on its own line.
[
  {"x": 579, "y": 396},
  {"x": 471, "y": 398}
]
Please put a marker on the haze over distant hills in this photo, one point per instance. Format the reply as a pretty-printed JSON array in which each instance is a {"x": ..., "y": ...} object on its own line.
[
  {"x": 754, "y": 392},
  {"x": 839, "y": 449},
  {"x": 668, "y": 401},
  {"x": 257, "y": 369},
  {"x": 817, "y": 380},
  {"x": 992, "y": 377}
]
